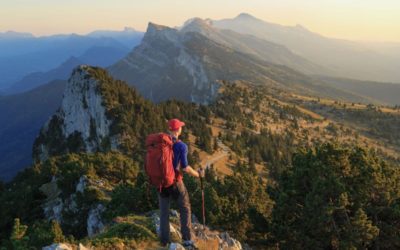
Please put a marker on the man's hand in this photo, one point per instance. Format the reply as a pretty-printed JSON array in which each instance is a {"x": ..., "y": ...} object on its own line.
[
  {"x": 189, "y": 170},
  {"x": 201, "y": 172}
]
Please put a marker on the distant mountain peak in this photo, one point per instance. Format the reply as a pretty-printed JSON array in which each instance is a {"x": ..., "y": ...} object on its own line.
[
  {"x": 197, "y": 25},
  {"x": 156, "y": 31},
  {"x": 301, "y": 27},
  {"x": 198, "y": 21},
  {"x": 10, "y": 34},
  {"x": 245, "y": 16},
  {"x": 156, "y": 27},
  {"x": 129, "y": 29},
  {"x": 71, "y": 60},
  {"x": 82, "y": 69}
]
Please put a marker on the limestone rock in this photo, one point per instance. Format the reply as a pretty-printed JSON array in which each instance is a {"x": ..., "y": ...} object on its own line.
[
  {"x": 176, "y": 246},
  {"x": 229, "y": 242},
  {"x": 95, "y": 224},
  {"x": 53, "y": 206},
  {"x": 81, "y": 114},
  {"x": 82, "y": 247},
  {"x": 222, "y": 241},
  {"x": 64, "y": 246},
  {"x": 82, "y": 105},
  {"x": 58, "y": 246},
  {"x": 80, "y": 187}
]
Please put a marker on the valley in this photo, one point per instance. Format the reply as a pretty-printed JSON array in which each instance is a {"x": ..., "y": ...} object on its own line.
[
  {"x": 310, "y": 120},
  {"x": 298, "y": 154}
]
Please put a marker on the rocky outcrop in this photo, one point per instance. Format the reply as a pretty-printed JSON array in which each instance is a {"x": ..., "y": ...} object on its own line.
[
  {"x": 63, "y": 246},
  {"x": 82, "y": 110},
  {"x": 164, "y": 67},
  {"x": 136, "y": 228},
  {"x": 81, "y": 123},
  {"x": 94, "y": 222},
  {"x": 227, "y": 242},
  {"x": 204, "y": 236},
  {"x": 58, "y": 246},
  {"x": 80, "y": 187},
  {"x": 176, "y": 246},
  {"x": 53, "y": 205}
]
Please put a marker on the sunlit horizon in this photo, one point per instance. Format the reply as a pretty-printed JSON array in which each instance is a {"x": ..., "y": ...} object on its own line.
[{"x": 355, "y": 20}]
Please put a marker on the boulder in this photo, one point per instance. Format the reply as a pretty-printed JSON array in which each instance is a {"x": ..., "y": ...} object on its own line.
[
  {"x": 58, "y": 246},
  {"x": 176, "y": 246}
]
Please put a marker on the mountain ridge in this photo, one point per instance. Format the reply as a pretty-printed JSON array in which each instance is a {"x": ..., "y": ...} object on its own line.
[
  {"x": 96, "y": 56},
  {"x": 169, "y": 59},
  {"x": 263, "y": 49},
  {"x": 21, "y": 56},
  {"x": 22, "y": 116},
  {"x": 93, "y": 191},
  {"x": 346, "y": 58}
]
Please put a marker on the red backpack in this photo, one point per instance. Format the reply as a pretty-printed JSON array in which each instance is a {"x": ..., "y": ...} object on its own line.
[{"x": 158, "y": 162}]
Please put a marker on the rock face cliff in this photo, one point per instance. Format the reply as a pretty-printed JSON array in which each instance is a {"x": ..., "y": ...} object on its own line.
[
  {"x": 163, "y": 66},
  {"x": 81, "y": 123},
  {"x": 97, "y": 114},
  {"x": 188, "y": 64},
  {"x": 82, "y": 109},
  {"x": 248, "y": 44}
]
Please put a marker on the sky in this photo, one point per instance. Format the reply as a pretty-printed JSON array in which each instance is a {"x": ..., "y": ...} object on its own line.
[{"x": 363, "y": 20}]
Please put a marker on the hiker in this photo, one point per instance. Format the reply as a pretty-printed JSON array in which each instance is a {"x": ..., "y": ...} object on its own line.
[{"x": 173, "y": 187}]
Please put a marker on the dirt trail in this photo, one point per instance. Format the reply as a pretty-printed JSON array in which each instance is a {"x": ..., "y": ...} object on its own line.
[{"x": 223, "y": 151}]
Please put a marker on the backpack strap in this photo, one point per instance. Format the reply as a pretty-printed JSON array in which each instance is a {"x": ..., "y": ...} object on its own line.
[{"x": 174, "y": 141}]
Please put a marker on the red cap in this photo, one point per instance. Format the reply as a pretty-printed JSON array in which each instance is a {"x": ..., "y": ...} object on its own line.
[{"x": 175, "y": 124}]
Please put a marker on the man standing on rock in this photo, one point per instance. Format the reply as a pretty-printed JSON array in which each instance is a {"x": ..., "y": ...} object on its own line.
[{"x": 177, "y": 191}]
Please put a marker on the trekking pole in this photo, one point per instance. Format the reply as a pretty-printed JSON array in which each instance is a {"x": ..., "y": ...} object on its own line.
[{"x": 202, "y": 200}]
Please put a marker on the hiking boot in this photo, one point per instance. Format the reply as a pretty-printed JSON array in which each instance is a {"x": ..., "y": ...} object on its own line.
[{"x": 190, "y": 245}]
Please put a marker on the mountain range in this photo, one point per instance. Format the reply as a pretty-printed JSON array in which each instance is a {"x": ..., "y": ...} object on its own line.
[
  {"x": 21, "y": 117},
  {"x": 343, "y": 58},
  {"x": 96, "y": 56},
  {"x": 87, "y": 181},
  {"x": 197, "y": 55},
  {"x": 22, "y": 54},
  {"x": 186, "y": 63},
  {"x": 261, "y": 48},
  {"x": 295, "y": 157}
]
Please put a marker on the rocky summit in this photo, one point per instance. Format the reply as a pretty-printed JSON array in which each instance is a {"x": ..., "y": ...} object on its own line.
[
  {"x": 81, "y": 114},
  {"x": 163, "y": 66},
  {"x": 189, "y": 64},
  {"x": 206, "y": 239}
]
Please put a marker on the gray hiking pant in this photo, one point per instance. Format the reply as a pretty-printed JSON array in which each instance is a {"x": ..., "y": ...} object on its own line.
[{"x": 178, "y": 193}]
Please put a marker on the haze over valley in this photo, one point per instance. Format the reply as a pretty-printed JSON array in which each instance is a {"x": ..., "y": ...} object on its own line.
[{"x": 280, "y": 116}]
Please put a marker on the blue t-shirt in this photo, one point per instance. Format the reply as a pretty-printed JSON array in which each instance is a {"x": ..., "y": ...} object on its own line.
[{"x": 180, "y": 154}]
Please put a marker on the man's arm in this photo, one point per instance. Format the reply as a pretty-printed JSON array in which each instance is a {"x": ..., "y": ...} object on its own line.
[
  {"x": 185, "y": 166},
  {"x": 189, "y": 170}
]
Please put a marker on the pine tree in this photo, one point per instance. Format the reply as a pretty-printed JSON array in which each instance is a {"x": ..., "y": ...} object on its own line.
[
  {"x": 56, "y": 231},
  {"x": 215, "y": 145},
  {"x": 362, "y": 230},
  {"x": 337, "y": 197},
  {"x": 18, "y": 238}
]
